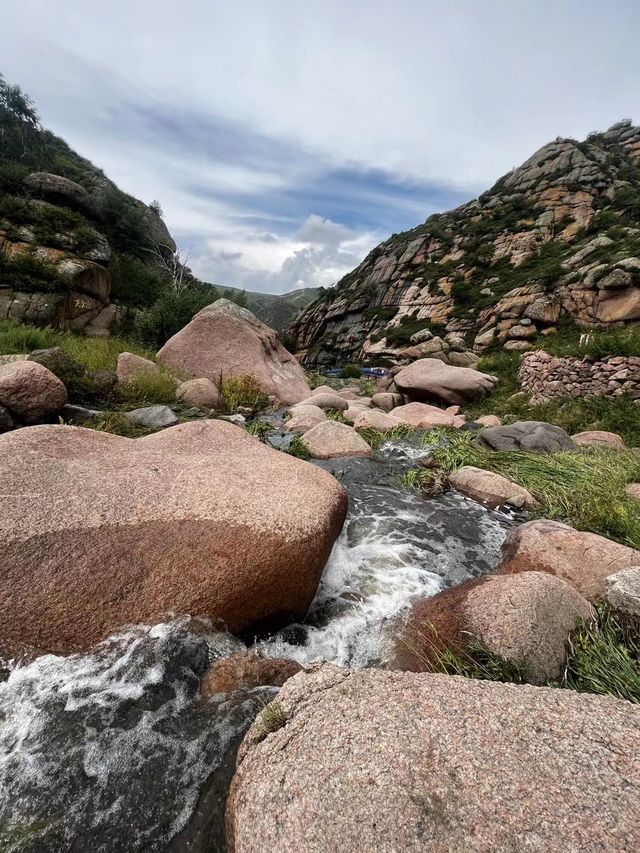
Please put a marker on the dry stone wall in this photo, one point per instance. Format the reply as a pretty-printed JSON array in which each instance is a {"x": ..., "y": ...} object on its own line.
[{"x": 545, "y": 377}]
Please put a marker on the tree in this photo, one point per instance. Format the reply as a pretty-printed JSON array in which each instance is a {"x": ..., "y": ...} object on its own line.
[
  {"x": 174, "y": 266},
  {"x": 20, "y": 126},
  {"x": 156, "y": 208}
]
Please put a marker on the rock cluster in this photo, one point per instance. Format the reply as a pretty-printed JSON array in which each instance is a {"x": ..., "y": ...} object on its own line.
[{"x": 544, "y": 376}]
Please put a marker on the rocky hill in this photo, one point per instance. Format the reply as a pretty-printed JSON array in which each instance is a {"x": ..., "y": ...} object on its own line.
[
  {"x": 276, "y": 311},
  {"x": 555, "y": 241}
]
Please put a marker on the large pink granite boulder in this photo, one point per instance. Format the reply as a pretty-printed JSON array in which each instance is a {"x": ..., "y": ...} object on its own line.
[
  {"x": 30, "y": 391},
  {"x": 431, "y": 379}
]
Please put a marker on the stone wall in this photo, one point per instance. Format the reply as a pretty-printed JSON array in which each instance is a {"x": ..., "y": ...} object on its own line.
[{"x": 544, "y": 377}]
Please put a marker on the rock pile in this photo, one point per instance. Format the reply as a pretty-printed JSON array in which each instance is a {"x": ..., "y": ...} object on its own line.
[{"x": 545, "y": 376}]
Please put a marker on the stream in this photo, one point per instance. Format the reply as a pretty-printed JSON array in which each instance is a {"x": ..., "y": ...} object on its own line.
[{"x": 114, "y": 751}]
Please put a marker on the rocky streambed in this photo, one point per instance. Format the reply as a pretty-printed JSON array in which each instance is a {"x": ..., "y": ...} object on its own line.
[{"x": 116, "y": 750}]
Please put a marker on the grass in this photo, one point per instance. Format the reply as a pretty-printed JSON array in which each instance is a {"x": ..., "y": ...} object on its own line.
[
  {"x": 375, "y": 437},
  {"x": 272, "y": 717},
  {"x": 574, "y": 414},
  {"x": 298, "y": 449},
  {"x": 429, "y": 481},
  {"x": 116, "y": 424},
  {"x": 584, "y": 489},
  {"x": 147, "y": 389},
  {"x": 243, "y": 392},
  {"x": 260, "y": 429},
  {"x": 603, "y": 657}
]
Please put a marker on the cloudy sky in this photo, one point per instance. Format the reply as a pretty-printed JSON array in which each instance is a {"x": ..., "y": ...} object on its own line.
[{"x": 286, "y": 138}]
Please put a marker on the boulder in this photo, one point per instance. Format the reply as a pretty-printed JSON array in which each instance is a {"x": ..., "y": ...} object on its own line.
[
  {"x": 371, "y": 760},
  {"x": 525, "y": 619},
  {"x": 324, "y": 389},
  {"x": 598, "y": 438},
  {"x": 30, "y": 392},
  {"x": 488, "y": 421},
  {"x": 330, "y": 402},
  {"x": 421, "y": 337},
  {"x": 375, "y": 419},
  {"x": 59, "y": 190},
  {"x": 303, "y": 418},
  {"x": 614, "y": 306},
  {"x": 245, "y": 671},
  {"x": 130, "y": 366},
  {"x": 152, "y": 417},
  {"x": 463, "y": 359},
  {"x": 333, "y": 440},
  {"x": 349, "y": 393},
  {"x": 583, "y": 559},
  {"x": 490, "y": 488},
  {"x": 78, "y": 414},
  {"x": 622, "y": 591},
  {"x": 199, "y": 392},
  {"x": 200, "y": 519},
  {"x": 419, "y": 414},
  {"x": 386, "y": 400},
  {"x": 431, "y": 379},
  {"x": 534, "y": 436},
  {"x": 223, "y": 341},
  {"x": 61, "y": 364}
]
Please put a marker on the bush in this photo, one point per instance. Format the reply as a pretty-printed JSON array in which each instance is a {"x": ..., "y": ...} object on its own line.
[
  {"x": 29, "y": 274},
  {"x": 171, "y": 312},
  {"x": 133, "y": 282},
  {"x": 243, "y": 392},
  {"x": 350, "y": 371},
  {"x": 17, "y": 338}
]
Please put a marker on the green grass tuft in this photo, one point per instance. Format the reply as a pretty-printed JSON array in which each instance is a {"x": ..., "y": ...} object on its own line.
[
  {"x": 375, "y": 437},
  {"x": 429, "y": 481},
  {"x": 147, "y": 389},
  {"x": 243, "y": 392}
]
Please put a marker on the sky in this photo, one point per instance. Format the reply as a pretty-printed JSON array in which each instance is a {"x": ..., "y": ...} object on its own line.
[{"x": 285, "y": 139}]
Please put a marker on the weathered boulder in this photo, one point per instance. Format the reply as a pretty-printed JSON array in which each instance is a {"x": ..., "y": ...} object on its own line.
[
  {"x": 583, "y": 559},
  {"x": 490, "y": 488},
  {"x": 130, "y": 366},
  {"x": 201, "y": 519},
  {"x": 330, "y": 402},
  {"x": 386, "y": 400},
  {"x": 422, "y": 415},
  {"x": 598, "y": 438},
  {"x": 59, "y": 190},
  {"x": 199, "y": 392},
  {"x": 326, "y": 389},
  {"x": 614, "y": 306},
  {"x": 303, "y": 418},
  {"x": 463, "y": 359},
  {"x": 431, "y": 379},
  {"x": 223, "y": 341},
  {"x": 30, "y": 392},
  {"x": 333, "y": 440},
  {"x": 525, "y": 619},
  {"x": 375, "y": 419},
  {"x": 622, "y": 590},
  {"x": 488, "y": 421},
  {"x": 152, "y": 417},
  {"x": 417, "y": 762},
  {"x": 245, "y": 671},
  {"x": 534, "y": 436}
]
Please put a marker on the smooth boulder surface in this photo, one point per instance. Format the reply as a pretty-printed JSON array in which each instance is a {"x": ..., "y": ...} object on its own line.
[
  {"x": 623, "y": 590},
  {"x": 199, "y": 392},
  {"x": 597, "y": 438},
  {"x": 329, "y": 402},
  {"x": 524, "y": 618},
  {"x": 490, "y": 488},
  {"x": 101, "y": 531},
  {"x": 488, "y": 421},
  {"x": 583, "y": 559},
  {"x": 386, "y": 400},
  {"x": 303, "y": 418},
  {"x": 375, "y": 419},
  {"x": 333, "y": 440},
  {"x": 421, "y": 414},
  {"x": 431, "y": 379},
  {"x": 534, "y": 436},
  {"x": 224, "y": 341},
  {"x": 386, "y": 761},
  {"x": 244, "y": 671},
  {"x": 30, "y": 392},
  {"x": 152, "y": 417},
  {"x": 130, "y": 366}
]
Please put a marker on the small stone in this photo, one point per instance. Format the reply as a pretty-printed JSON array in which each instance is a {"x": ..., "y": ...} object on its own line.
[
  {"x": 152, "y": 417},
  {"x": 623, "y": 590}
]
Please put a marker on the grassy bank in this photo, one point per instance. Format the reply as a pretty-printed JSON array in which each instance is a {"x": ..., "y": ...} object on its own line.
[{"x": 586, "y": 489}]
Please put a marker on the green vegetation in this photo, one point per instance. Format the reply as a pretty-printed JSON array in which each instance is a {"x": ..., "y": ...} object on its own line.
[
  {"x": 431, "y": 482},
  {"x": 584, "y": 489},
  {"x": 260, "y": 429},
  {"x": 117, "y": 424},
  {"x": 272, "y": 717},
  {"x": 350, "y": 371},
  {"x": 298, "y": 449},
  {"x": 147, "y": 389},
  {"x": 401, "y": 334},
  {"x": 29, "y": 274},
  {"x": 170, "y": 313},
  {"x": 603, "y": 657},
  {"x": 243, "y": 392},
  {"x": 375, "y": 437}
]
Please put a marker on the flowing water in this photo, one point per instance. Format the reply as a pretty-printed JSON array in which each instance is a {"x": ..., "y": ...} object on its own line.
[{"x": 114, "y": 750}]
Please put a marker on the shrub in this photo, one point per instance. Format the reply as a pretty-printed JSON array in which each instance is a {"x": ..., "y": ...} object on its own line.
[
  {"x": 243, "y": 392},
  {"x": 350, "y": 371},
  {"x": 17, "y": 338},
  {"x": 133, "y": 282},
  {"x": 171, "y": 312},
  {"x": 29, "y": 274}
]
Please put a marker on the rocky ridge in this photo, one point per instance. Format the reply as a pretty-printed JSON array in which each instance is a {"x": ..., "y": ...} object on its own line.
[{"x": 555, "y": 239}]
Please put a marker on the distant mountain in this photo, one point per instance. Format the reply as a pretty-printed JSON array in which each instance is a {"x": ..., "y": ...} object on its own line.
[
  {"x": 302, "y": 297},
  {"x": 276, "y": 311},
  {"x": 554, "y": 242}
]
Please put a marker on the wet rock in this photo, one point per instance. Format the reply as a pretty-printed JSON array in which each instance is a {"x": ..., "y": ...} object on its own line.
[
  {"x": 534, "y": 436},
  {"x": 583, "y": 559},
  {"x": 201, "y": 393},
  {"x": 429, "y": 378},
  {"x": 331, "y": 440},
  {"x": 227, "y": 340},
  {"x": 130, "y": 366},
  {"x": 490, "y": 488},
  {"x": 430, "y": 762},
  {"x": 245, "y": 671},
  {"x": 622, "y": 591},
  {"x": 152, "y": 417},
  {"x": 525, "y": 619},
  {"x": 30, "y": 392},
  {"x": 187, "y": 520},
  {"x": 598, "y": 438}
]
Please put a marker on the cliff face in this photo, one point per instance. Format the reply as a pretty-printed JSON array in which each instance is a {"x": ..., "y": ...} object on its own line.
[{"x": 555, "y": 240}]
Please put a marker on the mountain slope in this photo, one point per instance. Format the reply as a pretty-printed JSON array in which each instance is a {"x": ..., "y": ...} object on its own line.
[{"x": 556, "y": 240}]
